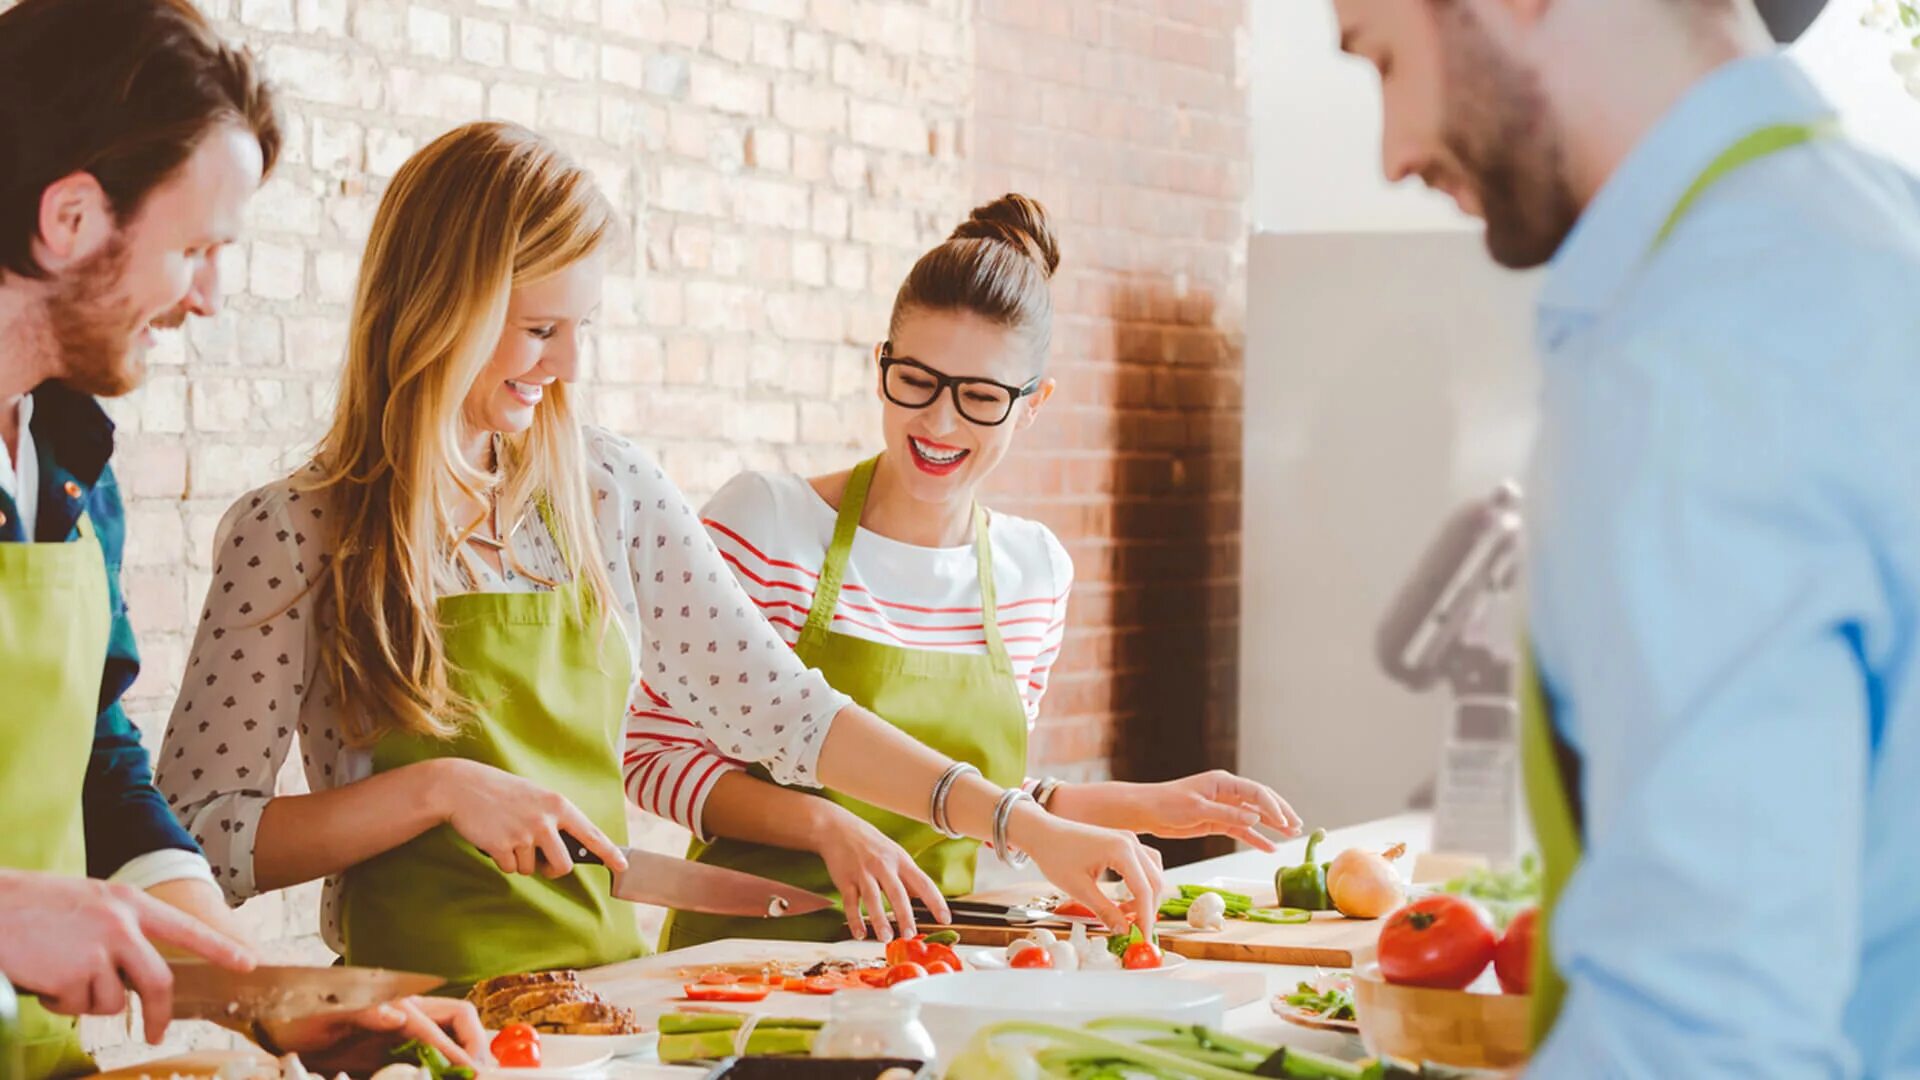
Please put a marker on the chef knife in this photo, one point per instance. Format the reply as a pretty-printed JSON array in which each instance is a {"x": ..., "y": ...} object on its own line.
[
  {"x": 690, "y": 886},
  {"x": 203, "y": 991}
]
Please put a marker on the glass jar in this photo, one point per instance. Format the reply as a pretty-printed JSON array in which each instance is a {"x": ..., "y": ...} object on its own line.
[{"x": 874, "y": 1025}]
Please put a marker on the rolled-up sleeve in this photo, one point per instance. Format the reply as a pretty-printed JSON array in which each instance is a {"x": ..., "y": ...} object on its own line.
[
  {"x": 705, "y": 644},
  {"x": 234, "y": 722},
  {"x": 1707, "y": 609}
]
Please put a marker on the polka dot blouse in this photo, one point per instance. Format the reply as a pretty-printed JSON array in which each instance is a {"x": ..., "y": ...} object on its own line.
[{"x": 253, "y": 694}]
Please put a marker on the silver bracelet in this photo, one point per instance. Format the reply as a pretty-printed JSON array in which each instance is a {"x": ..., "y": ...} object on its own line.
[
  {"x": 1002, "y": 815},
  {"x": 937, "y": 808},
  {"x": 1043, "y": 791}
]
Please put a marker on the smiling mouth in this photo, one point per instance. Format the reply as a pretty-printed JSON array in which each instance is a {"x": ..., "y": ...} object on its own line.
[
  {"x": 935, "y": 458},
  {"x": 528, "y": 393}
]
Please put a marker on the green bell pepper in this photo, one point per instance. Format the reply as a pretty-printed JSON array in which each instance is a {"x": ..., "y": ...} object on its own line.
[{"x": 1305, "y": 886}]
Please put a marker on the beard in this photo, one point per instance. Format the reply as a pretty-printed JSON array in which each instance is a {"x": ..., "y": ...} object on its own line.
[
  {"x": 93, "y": 323},
  {"x": 1499, "y": 127}
]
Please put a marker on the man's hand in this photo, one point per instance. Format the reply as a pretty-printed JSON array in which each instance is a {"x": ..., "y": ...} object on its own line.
[
  {"x": 80, "y": 944},
  {"x": 358, "y": 1043}
]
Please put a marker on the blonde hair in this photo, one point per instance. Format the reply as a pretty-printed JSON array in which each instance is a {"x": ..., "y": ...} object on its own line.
[{"x": 482, "y": 210}]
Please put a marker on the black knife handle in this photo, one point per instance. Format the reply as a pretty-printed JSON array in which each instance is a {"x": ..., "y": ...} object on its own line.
[{"x": 580, "y": 852}]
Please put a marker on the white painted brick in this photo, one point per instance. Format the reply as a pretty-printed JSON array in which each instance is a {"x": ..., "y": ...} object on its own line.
[
  {"x": 430, "y": 32},
  {"x": 622, "y": 66},
  {"x": 810, "y": 108},
  {"x": 668, "y": 75},
  {"x": 352, "y": 216},
  {"x": 729, "y": 255},
  {"x": 768, "y": 202},
  {"x": 849, "y": 167},
  {"x": 513, "y": 102},
  {"x": 293, "y": 140},
  {"x": 764, "y": 421},
  {"x": 233, "y": 273},
  {"x": 574, "y": 57},
  {"x": 810, "y": 52},
  {"x": 666, "y": 304},
  {"x": 806, "y": 317},
  {"x": 686, "y": 26},
  {"x": 381, "y": 25},
  {"x": 727, "y": 149},
  {"x": 689, "y": 132},
  {"x": 882, "y": 225},
  {"x": 329, "y": 78},
  {"x": 278, "y": 271},
  {"x": 713, "y": 305},
  {"x": 316, "y": 343},
  {"x": 728, "y": 90},
  {"x": 810, "y": 155},
  {"x": 633, "y": 359},
  {"x": 692, "y": 247},
  {"x": 686, "y": 361},
  {"x": 339, "y": 146},
  {"x": 500, "y": 5},
  {"x": 161, "y": 404},
  {"x": 727, "y": 367},
  {"x": 771, "y": 46},
  {"x": 730, "y": 37},
  {"x": 285, "y": 205},
  {"x": 483, "y": 41},
  {"x": 529, "y": 48},
  {"x": 619, "y": 302},
  {"x": 224, "y": 470},
  {"x": 323, "y": 17},
  {"x": 434, "y": 94},
  {"x": 274, "y": 15},
  {"x": 770, "y": 148},
  {"x": 831, "y": 16},
  {"x": 787, "y": 11},
  {"x": 688, "y": 191},
  {"x": 215, "y": 342},
  {"x": 849, "y": 267},
  {"x": 388, "y": 149},
  {"x": 891, "y": 127},
  {"x": 810, "y": 262},
  {"x": 568, "y": 110},
  {"x": 830, "y": 214},
  {"x": 641, "y": 19},
  {"x": 160, "y": 539}
]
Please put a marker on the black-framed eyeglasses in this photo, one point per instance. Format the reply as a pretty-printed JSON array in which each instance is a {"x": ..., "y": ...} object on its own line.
[{"x": 911, "y": 384}]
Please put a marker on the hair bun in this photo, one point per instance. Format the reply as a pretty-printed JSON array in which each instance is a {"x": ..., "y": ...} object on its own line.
[{"x": 1018, "y": 220}]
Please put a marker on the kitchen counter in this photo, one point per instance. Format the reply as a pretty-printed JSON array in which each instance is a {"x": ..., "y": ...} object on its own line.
[{"x": 647, "y": 985}]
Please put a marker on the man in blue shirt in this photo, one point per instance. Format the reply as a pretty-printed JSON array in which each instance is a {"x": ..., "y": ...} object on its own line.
[{"x": 1725, "y": 594}]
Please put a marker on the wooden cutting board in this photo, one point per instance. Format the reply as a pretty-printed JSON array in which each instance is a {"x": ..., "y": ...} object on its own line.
[
  {"x": 201, "y": 1063},
  {"x": 1330, "y": 940}
]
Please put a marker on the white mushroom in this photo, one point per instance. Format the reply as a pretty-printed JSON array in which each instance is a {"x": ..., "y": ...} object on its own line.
[{"x": 1209, "y": 912}]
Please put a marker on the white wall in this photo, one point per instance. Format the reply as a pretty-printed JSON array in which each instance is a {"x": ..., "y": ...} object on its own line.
[{"x": 1316, "y": 119}]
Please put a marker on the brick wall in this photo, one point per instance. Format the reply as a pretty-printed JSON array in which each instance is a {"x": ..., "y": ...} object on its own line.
[
  {"x": 780, "y": 162},
  {"x": 1130, "y": 120}
]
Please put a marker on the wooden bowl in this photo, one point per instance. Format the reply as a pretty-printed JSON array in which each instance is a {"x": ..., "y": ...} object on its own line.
[{"x": 1461, "y": 1028}]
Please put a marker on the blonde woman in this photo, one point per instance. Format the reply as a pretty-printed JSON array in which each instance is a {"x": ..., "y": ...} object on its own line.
[
  {"x": 894, "y": 582},
  {"x": 452, "y": 604}
]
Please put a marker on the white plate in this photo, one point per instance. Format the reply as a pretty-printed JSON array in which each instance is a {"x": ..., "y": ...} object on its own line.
[
  {"x": 956, "y": 1006},
  {"x": 988, "y": 958}
]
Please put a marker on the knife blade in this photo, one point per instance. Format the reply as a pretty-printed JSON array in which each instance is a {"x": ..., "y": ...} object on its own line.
[
  {"x": 690, "y": 886},
  {"x": 965, "y": 911},
  {"x": 203, "y": 991}
]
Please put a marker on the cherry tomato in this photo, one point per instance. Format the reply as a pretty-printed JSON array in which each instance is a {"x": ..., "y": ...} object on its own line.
[
  {"x": 1033, "y": 957},
  {"x": 874, "y": 977},
  {"x": 1074, "y": 909},
  {"x": 911, "y": 950},
  {"x": 940, "y": 967},
  {"x": 824, "y": 984},
  {"x": 719, "y": 978},
  {"x": 942, "y": 954},
  {"x": 516, "y": 1050},
  {"x": 736, "y": 992},
  {"x": 900, "y": 973},
  {"x": 1513, "y": 957},
  {"x": 1439, "y": 941},
  {"x": 1141, "y": 955}
]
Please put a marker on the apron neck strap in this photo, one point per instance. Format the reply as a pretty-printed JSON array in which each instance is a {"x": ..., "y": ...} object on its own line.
[
  {"x": 1757, "y": 144},
  {"x": 833, "y": 569}
]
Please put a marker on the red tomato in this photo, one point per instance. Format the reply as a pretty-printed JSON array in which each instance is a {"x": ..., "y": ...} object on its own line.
[
  {"x": 942, "y": 954},
  {"x": 940, "y": 967},
  {"x": 737, "y": 992},
  {"x": 1074, "y": 909},
  {"x": 1439, "y": 941},
  {"x": 911, "y": 950},
  {"x": 718, "y": 978},
  {"x": 794, "y": 984},
  {"x": 824, "y": 984},
  {"x": 1513, "y": 957},
  {"x": 874, "y": 977},
  {"x": 1141, "y": 955},
  {"x": 516, "y": 1050},
  {"x": 1035, "y": 956},
  {"x": 900, "y": 973}
]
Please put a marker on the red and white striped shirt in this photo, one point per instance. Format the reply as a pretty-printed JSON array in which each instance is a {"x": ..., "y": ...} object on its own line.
[{"x": 773, "y": 530}]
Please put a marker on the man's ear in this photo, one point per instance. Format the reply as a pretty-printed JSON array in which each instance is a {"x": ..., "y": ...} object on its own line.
[{"x": 76, "y": 220}]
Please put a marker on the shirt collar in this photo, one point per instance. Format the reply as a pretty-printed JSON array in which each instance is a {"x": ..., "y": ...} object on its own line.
[
  {"x": 1623, "y": 221},
  {"x": 71, "y": 432}
]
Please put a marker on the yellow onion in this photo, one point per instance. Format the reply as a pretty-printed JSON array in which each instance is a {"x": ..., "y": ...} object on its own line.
[{"x": 1362, "y": 885}]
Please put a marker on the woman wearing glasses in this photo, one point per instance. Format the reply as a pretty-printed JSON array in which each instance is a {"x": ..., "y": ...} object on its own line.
[{"x": 908, "y": 595}]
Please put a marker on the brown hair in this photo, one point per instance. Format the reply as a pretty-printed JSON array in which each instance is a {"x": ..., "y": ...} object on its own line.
[
  {"x": 995, "y": 265},
  {"x": 122, "y": 89}
]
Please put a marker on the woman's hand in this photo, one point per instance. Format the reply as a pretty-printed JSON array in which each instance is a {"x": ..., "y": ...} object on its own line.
[
  {"x": 1074, "y": 856},
  {"x": 358, "y": 1043},
  {"x": 871, "y": 871},
  {"x": 1216, "y": 803},
  {"x": 514, "y": 821}
]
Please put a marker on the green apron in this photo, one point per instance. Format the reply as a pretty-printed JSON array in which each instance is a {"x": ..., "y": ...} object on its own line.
[
  {"x": 54, "y": 625},
  {"x": 967, "y": 707},
  {"x": 1550, "y": 766},
  {"x": 552, "y": 690}
]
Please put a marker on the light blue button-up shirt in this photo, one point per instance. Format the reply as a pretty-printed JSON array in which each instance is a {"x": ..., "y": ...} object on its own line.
[{"x": 1725, "y": 600}]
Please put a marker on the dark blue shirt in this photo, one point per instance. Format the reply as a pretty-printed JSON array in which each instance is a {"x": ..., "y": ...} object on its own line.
[{"x": 73, "y": 439}]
